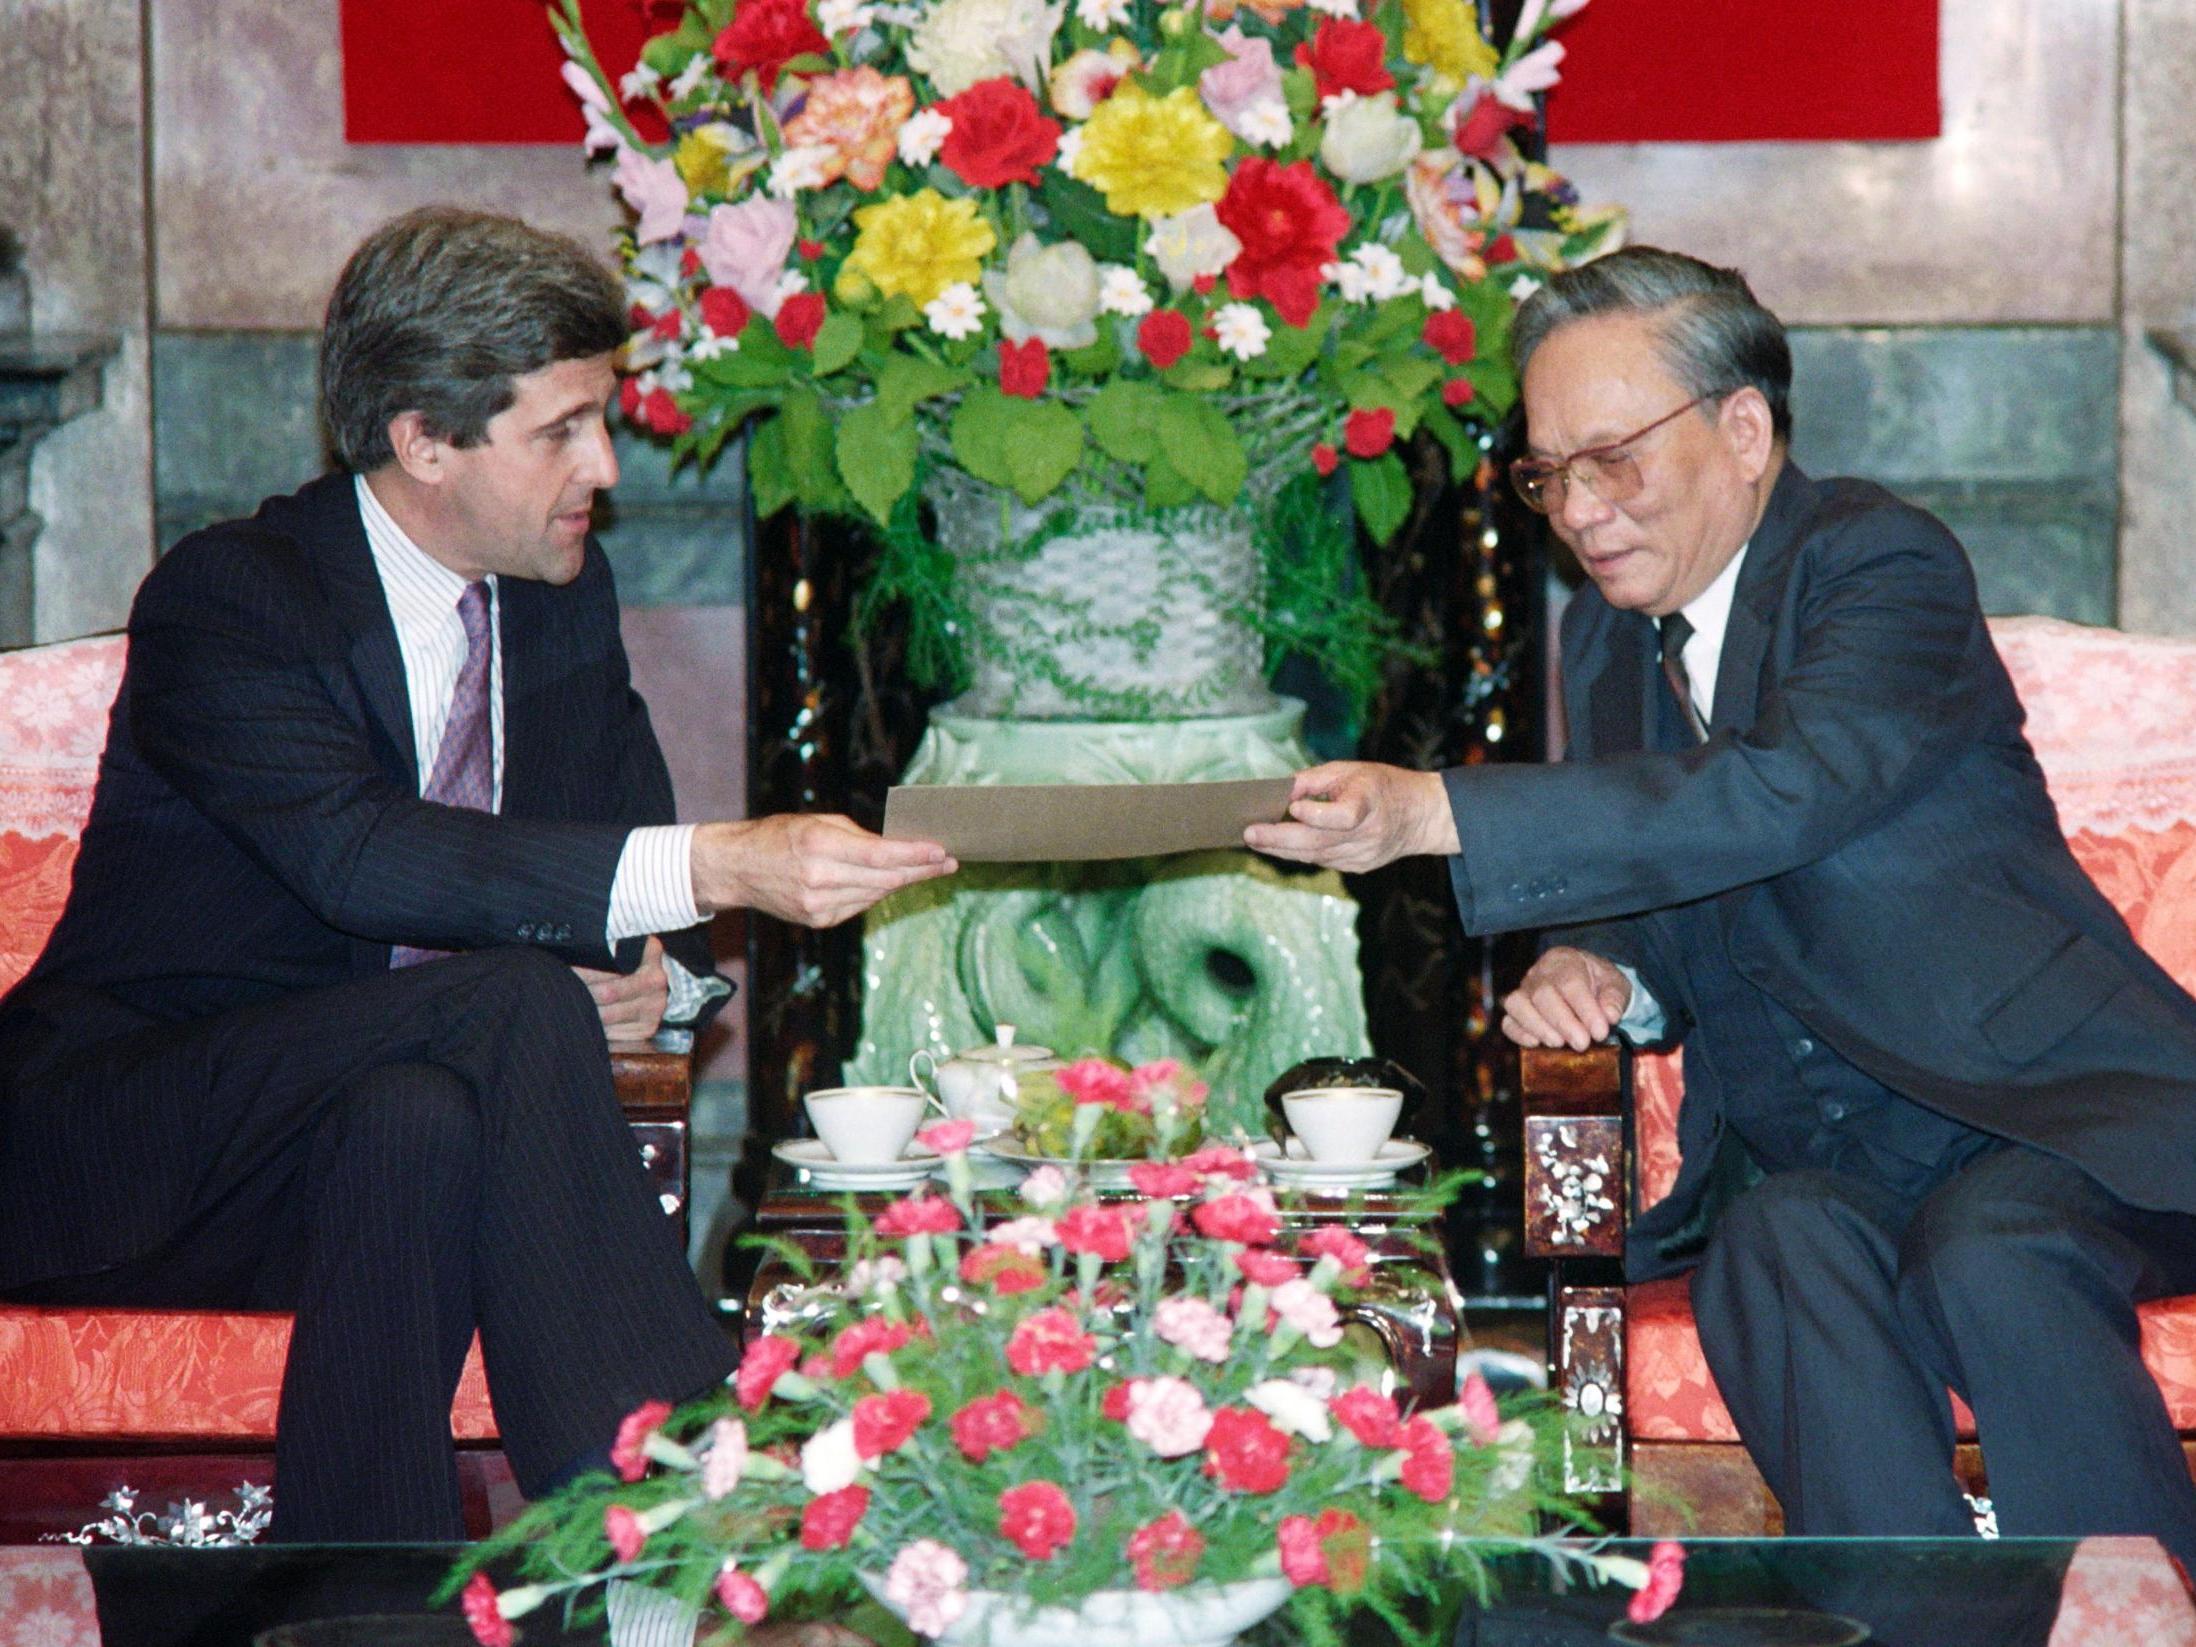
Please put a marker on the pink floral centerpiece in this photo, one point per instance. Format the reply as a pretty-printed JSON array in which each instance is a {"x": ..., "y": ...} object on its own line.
[{"x": 1011, "y": 1409}]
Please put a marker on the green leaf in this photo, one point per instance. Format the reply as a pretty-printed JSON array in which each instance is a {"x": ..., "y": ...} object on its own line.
[
  {"x": 1455, "y": 439},
  {"x": 876, "y": 458},
  {"x": 1078, "y": 213},
  {"x": 1095, "y": 359},
  {"x": 810, "y": 460},
  {"x": 1124, "y": 420},
  {"x": 1292, "y": 348},
  {"x": 1199, "y": 377},
  {"x": 1181, "y": 61},
  {"x": 1028, "y": 445},
  {"x": 1199, "y": 442},
  {"x": 906, "y": 381},
  {"x": 1381, "y": 489},
  {"x": 982, "y": 429},
  {"x": 1164, "y": 487},
  {"x": 838, "y": 341},
  {"x": 768, "y": 484}
]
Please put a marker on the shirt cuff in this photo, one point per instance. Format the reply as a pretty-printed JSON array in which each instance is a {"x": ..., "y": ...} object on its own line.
[
  {"x": 1644, "y": 1022},
  {"x": 653, "y": 890}
]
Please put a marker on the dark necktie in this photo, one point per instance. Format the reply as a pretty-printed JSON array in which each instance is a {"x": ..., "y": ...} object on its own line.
[
  {"x": 465, "y": 765},
  {"x": 1676, "y": 631}
]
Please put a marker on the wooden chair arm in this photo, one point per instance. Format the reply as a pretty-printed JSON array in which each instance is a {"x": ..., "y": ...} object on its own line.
[
  {"x": 1575, "y": 1171},
  {"x": 655, "y": 1089}
]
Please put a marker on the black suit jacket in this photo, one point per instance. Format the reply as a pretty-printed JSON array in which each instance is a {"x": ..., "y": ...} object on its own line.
[
  {"x": 1875, "y": 838},
  {"x": 257, "y": 827}
]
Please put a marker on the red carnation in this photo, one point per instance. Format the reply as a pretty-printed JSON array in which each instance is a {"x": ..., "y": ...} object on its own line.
[
  {"x": 1480, "y": 133},
  {"x": 690, "y": 263},
  {"x": 1163, "y": 1180},
  {"x": 810, "y": 250},
  {"x": 1369, "y": 433},
  {"x": 662, "y": 415},
  {"x": 873, "y": 1335},
  {"x": 1050, "y": 1341},
  {"x": 1325, "y": 458},
  {"x": 1005, "y": 1270},
  {"x": 1164, "y": 336},
  {"x": 1037, "y": 1519},
  {"x": 1351, "y": 1256},
  {"x": 1093, "y": 1080},
  {"x": 724, "y": 311},
  {"x": 1367, "y": 1414},
  {"x": 1024, "y": 368},
  {"x": 1458, "y": 391},
  {"x": 999, "y": 135},
  {"x": 624, "y": 1531},
  {"x": 1334, "y": 1550},
  {"x": 800, "y": 318},
  {"x": 1347, "y": 57},
  {"x": 669, "y": 324},
  {"x": 919, "y": 1215},
  {"x": 1429, "y": 1463},
  {"x": 1665, "y": 1577},
  {"x": 883, "y": 1422},
  {"x": 1218, "y": 1160},
  {"x": 828, "y": 1520},
  {"x": 743, "y": 1598},
  {"x": 1248, "y": 1219},
  {"x": 994, "y": 1424},
  {"x": 1265, "y": 1268},
  {"x": 1164, "y": 1553},
  {"x": 642, "y": 1422},
  {"x": 1202, "y": 285},
  {"x": 1105, "y": 1232},
  {"x": 1290, "y": 225},
  {"x": 1451, "y": 335},
  {"x": 1245, "y": 1453},
  {"x": 490, "y": 1628},
  {"x": 1502, "y": 249},
  {"x": 765, "y": 35},
  {"x": 767, "y": 1360},
  {"x": 629, "y": 398},
  {"x": 1114, "y": 1404}
]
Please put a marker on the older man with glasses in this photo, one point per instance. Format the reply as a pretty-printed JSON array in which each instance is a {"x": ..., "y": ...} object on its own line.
[{"x": 1939, "y": 1127}]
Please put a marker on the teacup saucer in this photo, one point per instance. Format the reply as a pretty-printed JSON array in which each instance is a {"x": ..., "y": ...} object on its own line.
[
  {"x": 1393, "y": 1157},
  {"x": 826, "y": 1171}
]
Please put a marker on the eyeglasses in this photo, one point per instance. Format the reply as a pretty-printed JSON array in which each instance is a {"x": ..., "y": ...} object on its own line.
[{"x": 1610, "y": 471}]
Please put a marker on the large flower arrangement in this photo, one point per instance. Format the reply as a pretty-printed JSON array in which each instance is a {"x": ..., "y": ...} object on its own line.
[{"x": 1152, "y": 1394}]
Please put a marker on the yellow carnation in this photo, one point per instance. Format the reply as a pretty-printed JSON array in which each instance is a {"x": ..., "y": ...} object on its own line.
[
  {"x": 918, "y": 244},
  {"x": 1154, "y": 156},
  {"x": 1444, "y": 35}
]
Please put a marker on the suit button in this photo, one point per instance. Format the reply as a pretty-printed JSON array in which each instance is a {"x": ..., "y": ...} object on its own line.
[
  {"x": 526, "y": 932},
  {"x": 1833, "y": 1111},
  {"x": 564, "y": 934},
  {"x": 1802, "y": 1047}
]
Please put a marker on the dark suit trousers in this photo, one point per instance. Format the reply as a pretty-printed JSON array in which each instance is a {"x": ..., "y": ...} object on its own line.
[
  {"x": 401, "y": 1160},
  {"x": 1835, "y": 1314}
]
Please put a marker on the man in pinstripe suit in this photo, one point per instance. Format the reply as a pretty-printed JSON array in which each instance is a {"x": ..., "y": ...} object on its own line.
[{"x": 387, "y": 721}]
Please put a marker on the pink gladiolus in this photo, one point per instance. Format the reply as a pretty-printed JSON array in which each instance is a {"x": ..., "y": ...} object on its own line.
[{"x": 654, "y": 189}]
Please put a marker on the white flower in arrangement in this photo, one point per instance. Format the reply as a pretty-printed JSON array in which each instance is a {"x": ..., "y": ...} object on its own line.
[
  {"x": 1102, "y": 14},
  {"x": 1523, "y": 287},
  {"x": 1530, "y": 75},
  {"x": 1268, "y": 125},
  {"x": 690, "y": 78},
  {"x": 1434, "y": 292},
  {"x": 828, "y": 1459},
  {"x": 960, "y": 42},
  {"x": 837, "y": 17},
  {"x": 1028, "y": 1233},
  {"x": 790, "y": 282},
  {"x": 1371, "y": 274},
  {"x": 1241, "y": 331},
  {"x": 1344, "y": 9},
  {"x": 802, "y": 167},
  {"x": 900, "y": 17},
  {"x": 1046, "y": 1187},
  {"x": 956, "y": 312},
  {"x": 712, "y": 344},
  {"x": 639, "y": 81},
  {"x": 1294, "y": 1409},
  {"x": 923, "y": 136},
  {"x": 672, "y": 374},
  {"x": 1071, "y": 145},
  {"x": 1190, "y": 244},
  {"x": 602, "y": 137},
  {"x": 1046, "y": 292},
  {"x": 1121, "y": 291},
  {"x": 1367, "y": 139}
]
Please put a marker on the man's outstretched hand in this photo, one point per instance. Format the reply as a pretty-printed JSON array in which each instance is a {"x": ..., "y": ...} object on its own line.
[
  {"x": 814, "y": 869},
  {"x": 1569, "y": 998},
  {"x": 631, "y": 1003},
  {"x": 1358, "y": 815}
]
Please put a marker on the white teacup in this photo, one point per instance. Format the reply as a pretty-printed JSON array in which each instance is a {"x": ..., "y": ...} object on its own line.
[
  {"x": 864, "y": 1126},
  {"x": 1343, "y": 1124}
]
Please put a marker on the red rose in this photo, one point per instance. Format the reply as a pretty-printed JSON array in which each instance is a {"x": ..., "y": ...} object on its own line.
[
  {"x": 1367, "y": 1414},
  {"x": 1481, "y": 132},
  {"x": 1289, "y": 223},
  {"x": 883, "y": 1422},
  {"x": 999, "y": 135},
  {"x": 1103, "y": 1231},
  {"x": 1451, "y": 335},
  {"x": 1164, "y": 1553},
  {"x": 1265, "y": 1268},
  {"x": 994, "y": 1424},
  {"x": 765, "y": 35},
  {"x": 642, "y": 1422},
  {"x": 743, "y": 1598},
  {"x": 669, "y": 324},
  {"x": 1458, "y": 391},
  {"x": 810, "y": 250},
  {"x": 1114, "y": 1404},
  {"x": 918, "y": 1214},
  {"x": 1351, "y": 1256},
  {"x": 767, "y": 1360},
  {"x": 1347, "y": 57},
  {"x": 1369, "y": 433},
  {"x": 1163, "y": 1180},
  {"x": 1037, "y": 1519},
  {"x": 1334, "y": 1550},
  {"x": 662, "y": 415},
  {"x": 1502, "y": 250},
  {"x": 624, "y": 1531},
  {"x": 1429, "y": 1463},
  {"x": 1164, "y": 336},
  {"x": 1050, "y": 1341},
  {"x": 1249, "y": 1219},
  {"x": 1325, "y": 458},
  {"x": 873, "y": 1335},
  {"x": 1245, "y": 1453},
  {"x": 828, "y": 1520},
  {"x": 724, "y": 311},
  {"x": 1005, "y": 1270},
  {"x": 1024, "y": 368},
  {"x": 1665, "y": 1577},
  {"x": 490, "y": 1628},
  {"x": 1203, "y": 284},
  {"x": 800, "y": 318}
]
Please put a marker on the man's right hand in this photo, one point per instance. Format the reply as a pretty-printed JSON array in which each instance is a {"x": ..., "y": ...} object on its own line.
[
  {"x": 1569, "y": 998},
  {"x": 814, "y": 869}
]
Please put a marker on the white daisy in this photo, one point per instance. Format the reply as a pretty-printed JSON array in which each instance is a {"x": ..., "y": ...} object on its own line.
[
  {"x": 1523, "y": 287},
  {"x": 1121, "y": 292},
  {"x": 1350, "y": 280},
  {"x": 639, "y": 81},
  {"x": 1266, "y": 124},
  {"x": 1346, "y": 9},
  {"x": 837, "y": 17},
  {"x": 1385, "y": 276},
  {"x": 710, "y": 345},
  {"x": 957, "y": 312},
  {"x": 1434, "y": 292},
  {"x": 922, "y": 136},
  {"x": 691, "y": 77},
  {"x": 801, "y": 167},
  {"x": 1071, "y": 145},
  {"x": 1241, "y": 331},
  {"x": 1102, "y": 14}
]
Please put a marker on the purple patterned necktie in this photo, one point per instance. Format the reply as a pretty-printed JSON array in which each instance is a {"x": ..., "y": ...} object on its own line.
[{"x": 465, "y": 767}]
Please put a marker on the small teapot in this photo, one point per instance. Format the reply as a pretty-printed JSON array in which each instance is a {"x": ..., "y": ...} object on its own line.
[{"x": 981, "y": 1084}]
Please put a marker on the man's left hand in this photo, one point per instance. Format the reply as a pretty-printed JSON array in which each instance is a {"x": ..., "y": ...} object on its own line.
[
  {"x": 631, "y": 1003},
  {"x": 1358, "y": 815}
]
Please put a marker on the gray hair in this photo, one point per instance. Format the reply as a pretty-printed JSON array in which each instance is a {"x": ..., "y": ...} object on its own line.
[
  {"x": 439, "y": 310},
  {"x": 1714, "y": 334}
]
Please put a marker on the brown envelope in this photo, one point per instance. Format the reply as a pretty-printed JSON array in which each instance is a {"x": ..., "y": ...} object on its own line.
[{"x": 1068, "y": 823}]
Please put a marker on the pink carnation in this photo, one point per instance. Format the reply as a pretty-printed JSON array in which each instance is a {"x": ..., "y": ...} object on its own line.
[
  {"x": 1368, "y": 1414},
  {"x": 1310, "y": 1311},
  {"x": 1245, "y": 1453},
  {"x": 1050, "y": 1341},
  {"x": 742, "y": 1597},
  {"x": 642, "y": 1422},
  {"x": 1037, "y": 1519},
  {"x": 994, "y": 1424},
  {"x": 1429, "y": 1463},
  {"x": 624, "y": 1531},
  {"x": 767, "y": 1360},
  {"x": 1095, "y": 1081},
  {"x": 1481, "y": 1420},
  {"x": 1665, "y": 1578},
  {"x": 1168, "y": 1415},
  {"x": 1164, "y": 1553},
  {"x": 1163, "y": 1180},
  {"x": 882, "y": 1423},
  {"x": 1104, "y": 1232},
  {"x": 1248, "y": 1217},
  {"x": 931, "y": 1583},
  {"x": 1266, "y": 1268},
  {"x": 948, "y": 1137},
  {"x": 490, "y": 1628},
  {"x": 1351, "y": 1256},
  {"x": 872, "y": 1335},
  {"x": 919, "y": 1215},
  {"x": 1193, "y": 1325},
  {"x": 1219, "y": 1161}
]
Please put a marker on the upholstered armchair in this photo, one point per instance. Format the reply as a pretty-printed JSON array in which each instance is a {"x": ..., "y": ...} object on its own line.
[
  {"x": 175, "y": 1404},
  {"x": 2112, "y": 718}
]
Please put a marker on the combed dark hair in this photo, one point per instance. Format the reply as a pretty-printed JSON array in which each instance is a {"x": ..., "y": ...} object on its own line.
[
  {"x": 439, "y": 310},
  {"x": 1715, "y": 335}
]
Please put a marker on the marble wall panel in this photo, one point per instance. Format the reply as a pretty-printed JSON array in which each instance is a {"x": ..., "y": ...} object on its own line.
[
  {"x": 2008, "y": 216},
  {"x": 2158, "y": 493}
]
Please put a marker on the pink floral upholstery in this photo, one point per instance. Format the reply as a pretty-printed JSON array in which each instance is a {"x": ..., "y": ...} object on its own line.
[
  {"x": 2122, "y": 1591},
  {"x": 46, "y": 1599},
  {"x": 2112, "y": 718},
  {"x": 53, "y": 724}
]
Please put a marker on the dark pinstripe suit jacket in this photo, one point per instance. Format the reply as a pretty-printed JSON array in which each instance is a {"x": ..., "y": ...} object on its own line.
[{"x": 257, "y": 827}]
